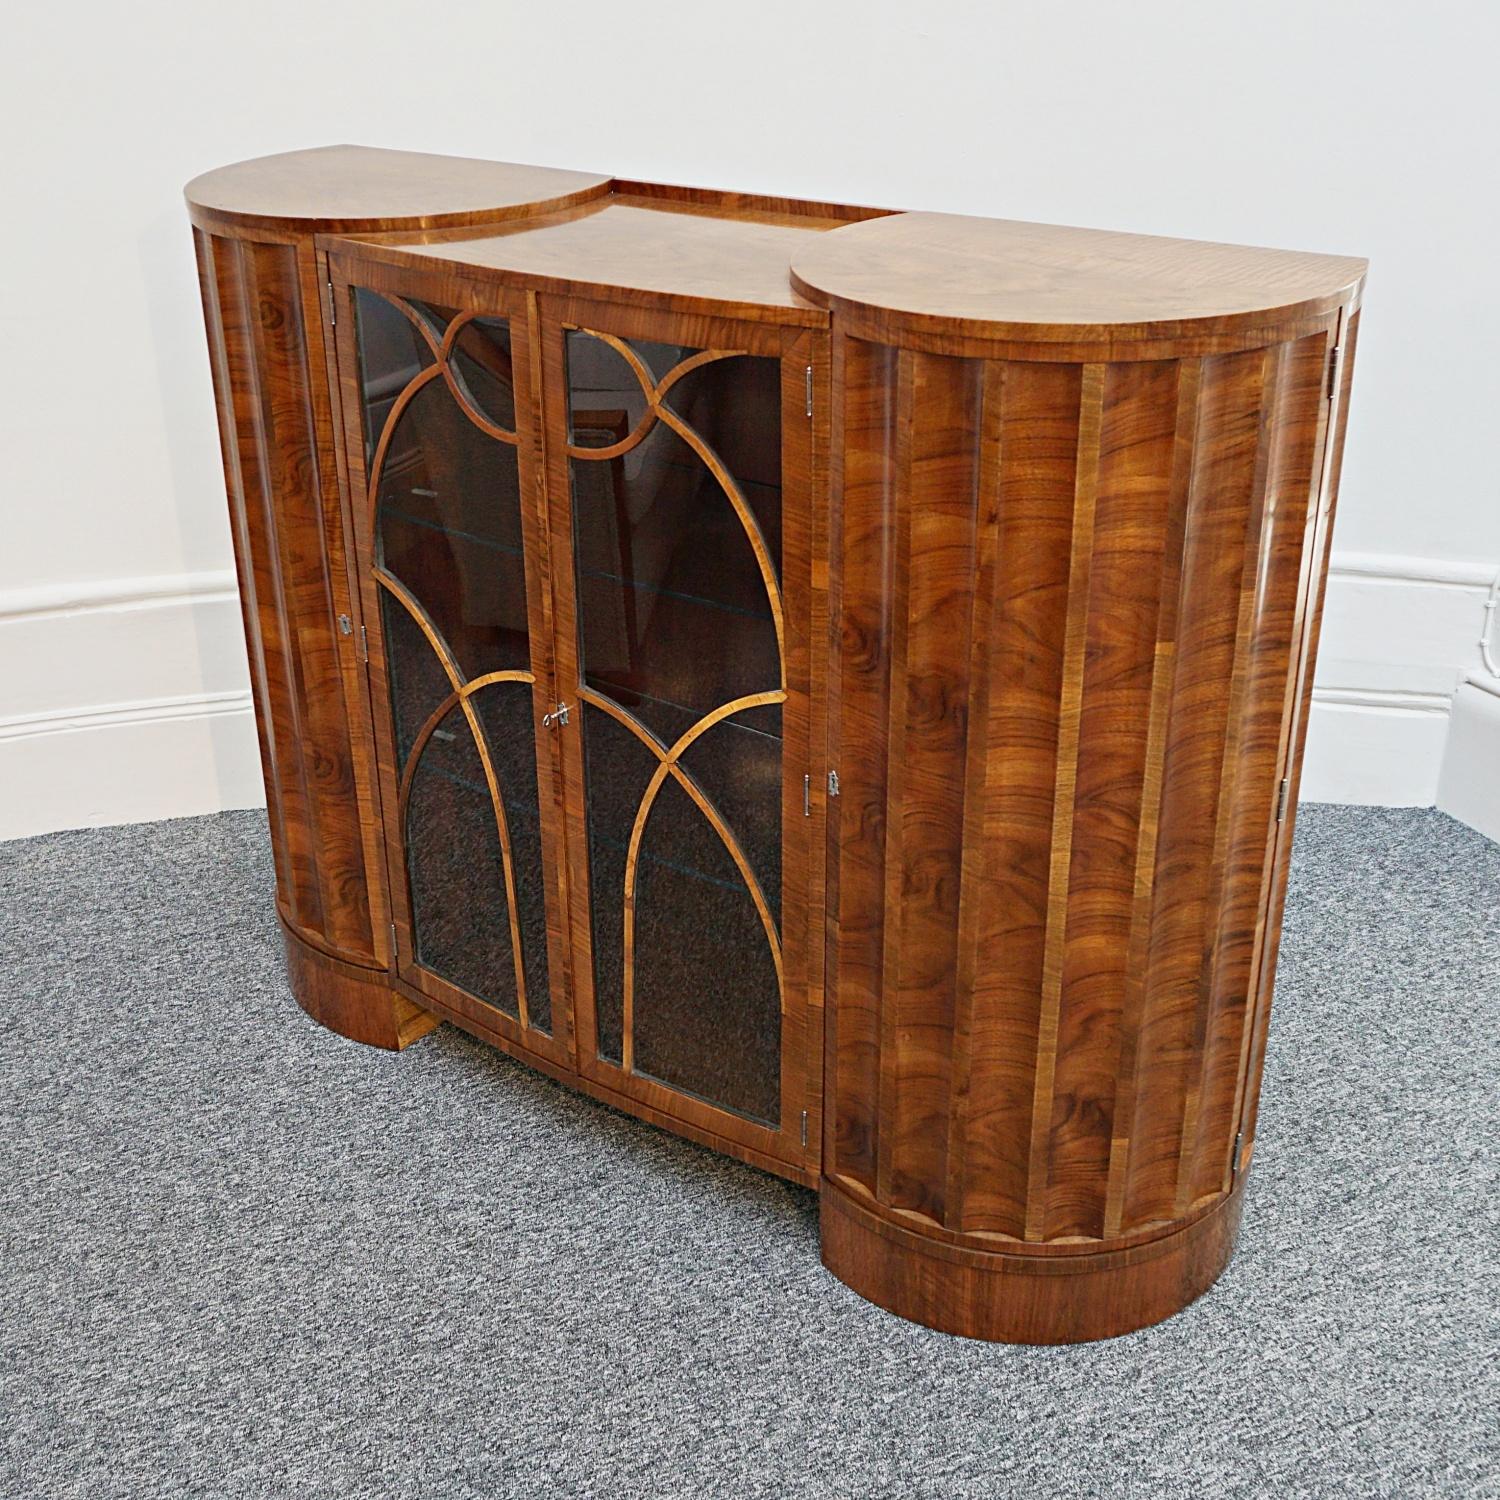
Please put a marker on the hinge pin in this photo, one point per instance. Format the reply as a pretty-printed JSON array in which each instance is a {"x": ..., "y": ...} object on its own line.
[
  {"x": 364, "y": 644},
  {"x": 1234, "y": 1160},
  {"x": 804, "y": 1127},
  {"x": 1333, "y": 370},
  {"x": 1281, "y": 796},
  {"x": 333, "y": 307},
  {"x": 809, "y": 389}
]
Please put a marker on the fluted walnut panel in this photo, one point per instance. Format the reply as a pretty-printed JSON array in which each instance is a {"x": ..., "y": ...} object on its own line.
[
  {"x": 266, "y": 346},
  {"x": 1072, "y": 610}
]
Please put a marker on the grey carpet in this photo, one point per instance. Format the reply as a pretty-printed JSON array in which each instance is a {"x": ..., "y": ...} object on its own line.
[{"x": 244, "y": 1257}]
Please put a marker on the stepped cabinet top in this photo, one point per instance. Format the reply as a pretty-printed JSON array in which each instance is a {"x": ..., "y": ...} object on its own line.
[{"x": 950, "y": 279}]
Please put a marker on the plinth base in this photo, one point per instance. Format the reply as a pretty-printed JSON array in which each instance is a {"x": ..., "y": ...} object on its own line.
[
  {"x": 1025, "y": 1299},
  {"x": 357, "y": 1003}
]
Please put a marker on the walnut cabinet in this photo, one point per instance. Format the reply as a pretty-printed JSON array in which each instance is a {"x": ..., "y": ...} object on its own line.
[{"x": 826, "y": 681}]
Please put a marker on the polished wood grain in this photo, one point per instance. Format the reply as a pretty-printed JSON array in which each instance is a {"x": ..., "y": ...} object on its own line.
[
  {"x": 352, "y": 1000},
  {"x": 1314, "y": 585},
  {"x": 275, "y": 429},
  {"x": 866, "y": 461},
  {"x": 1054, "y": 542},
  {"x": 1166, "y": 968},
  {"x": 344, "y": 188},
  {"x": 1034, "y": 416},
  {"x": 1111, "y": 828},
  {"x": 1021, "y": 1300},
  {"x": 1005, "y": 280},
  {"x": 1077, "y": 603},
  {"x": 733, "y": 265},
  {"x": 766, "y": 208}
]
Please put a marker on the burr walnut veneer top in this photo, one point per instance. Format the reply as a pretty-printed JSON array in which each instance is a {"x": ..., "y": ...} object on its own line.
[{"x": 785, "y": 259}]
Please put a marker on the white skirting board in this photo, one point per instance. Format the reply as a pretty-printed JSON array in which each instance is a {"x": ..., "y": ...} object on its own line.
[
  {"x": 132, "y": 763},
  {"x": 128, "y": 700},
  {"x": 1373, "y": 749},
  {"x": 1399, "y": 635},
  {"x": 124, "y": 701},
  {"x": 1469, "y": 786}
]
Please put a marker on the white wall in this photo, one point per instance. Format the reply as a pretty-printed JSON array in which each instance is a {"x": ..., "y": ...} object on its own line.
[{"x": 1344, "y": 126}]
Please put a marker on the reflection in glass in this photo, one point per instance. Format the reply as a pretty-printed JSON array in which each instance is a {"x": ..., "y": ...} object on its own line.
[
  {"x": 481, "y": 364},
  {"x": 449, "y": 528},
  {"x": 392, "y": 352}
]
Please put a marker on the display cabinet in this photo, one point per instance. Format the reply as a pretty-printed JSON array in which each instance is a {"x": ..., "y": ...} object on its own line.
[{"x": 828, "y": 682}]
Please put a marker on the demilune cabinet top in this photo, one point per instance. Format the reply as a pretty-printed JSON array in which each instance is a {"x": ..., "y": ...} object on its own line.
[{"x": 826, "y": 681}]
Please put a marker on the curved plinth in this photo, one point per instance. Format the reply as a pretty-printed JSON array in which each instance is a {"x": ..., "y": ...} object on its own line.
[
  {"x": 357, "y": 1003},
  {"x": 1026, "y": 1299}
]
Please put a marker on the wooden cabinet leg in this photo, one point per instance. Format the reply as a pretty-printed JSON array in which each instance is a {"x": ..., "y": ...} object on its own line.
[{"x": 357, "y": 1003}]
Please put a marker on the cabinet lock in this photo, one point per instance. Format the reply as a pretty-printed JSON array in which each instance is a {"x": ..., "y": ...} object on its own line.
[{"x": 558, "y": 716}]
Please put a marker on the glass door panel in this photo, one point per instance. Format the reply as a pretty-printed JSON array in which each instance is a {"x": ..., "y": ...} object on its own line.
[
  {"x": 438, "y": 404},
  {"x": 675, "y": 466}
]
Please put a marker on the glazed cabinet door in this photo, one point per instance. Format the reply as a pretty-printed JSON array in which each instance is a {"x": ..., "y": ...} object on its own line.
[
  {"x": 679, "y": 473},
  {"x": 440, "y": 442}
]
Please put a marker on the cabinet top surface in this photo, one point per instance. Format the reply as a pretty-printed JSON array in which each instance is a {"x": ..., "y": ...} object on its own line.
[
  {"x": 630, "y": 244},
  {"x": 943, "y": 276},
  {"x": 1048, "y": 281},
  {"x": 364, "y": 187}
]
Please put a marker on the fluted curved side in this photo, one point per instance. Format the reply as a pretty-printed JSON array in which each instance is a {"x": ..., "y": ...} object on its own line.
[
  {"x": 265, "y": 344},
  {"x": 1077, "y": 603}
]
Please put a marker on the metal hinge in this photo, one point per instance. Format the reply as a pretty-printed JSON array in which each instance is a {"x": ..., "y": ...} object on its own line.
[
  {"x": 1281, "y": 797},
  {"x": 395, "y": 949},
  {"x": 333, "y": 307},
  {"x": 1333, "y": 371},
  {"x": 364, "y": 644},
  {"x": 833, "y": 783},
  {"x": 809, "y": 390},
  {"x": 804, "y": 1127},
  {"x": 807, "y": 796},
  {"x": 1234, "y": 1158}
]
